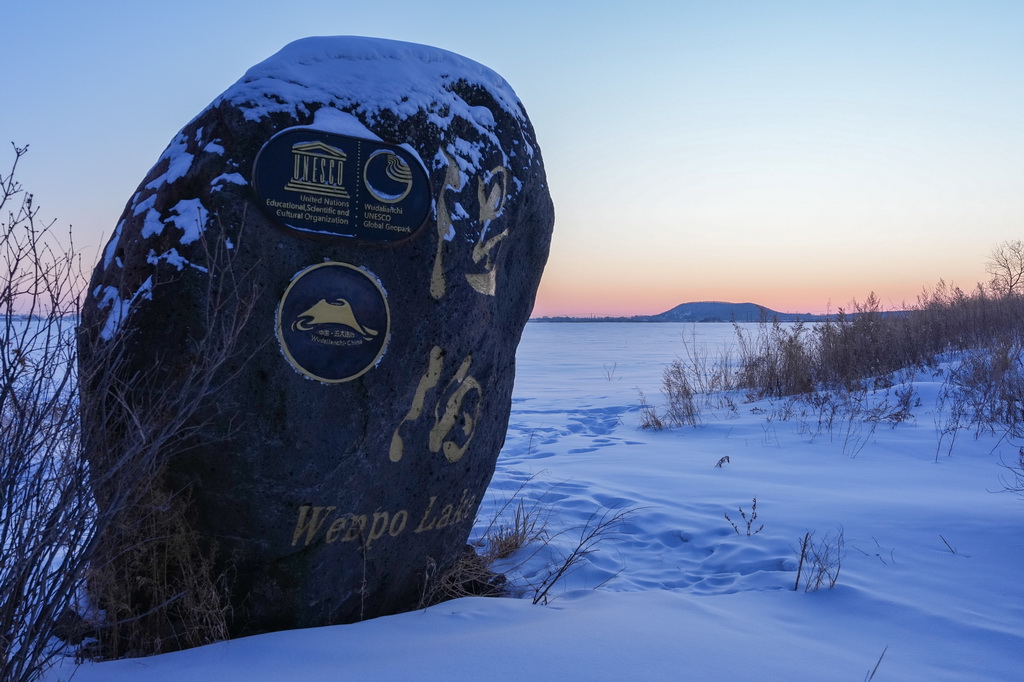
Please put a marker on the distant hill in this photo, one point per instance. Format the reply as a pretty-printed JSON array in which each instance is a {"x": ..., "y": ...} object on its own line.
[
  {"x": 718, "y": 311},
  {"x": 701, "y": 311}
]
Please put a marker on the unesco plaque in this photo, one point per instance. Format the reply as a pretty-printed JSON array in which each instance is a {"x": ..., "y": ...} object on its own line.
[{"x": 319, "y": 183}]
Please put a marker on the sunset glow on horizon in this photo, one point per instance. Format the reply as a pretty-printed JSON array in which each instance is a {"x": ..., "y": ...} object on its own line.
[
  {"x": 797, "y": 155},
  {"x": 783, "y": 285},
  {"x": 638, "y": 302}
]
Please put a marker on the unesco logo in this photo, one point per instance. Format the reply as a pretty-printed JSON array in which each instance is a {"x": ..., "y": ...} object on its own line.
[{"x": 333, "y": 322}]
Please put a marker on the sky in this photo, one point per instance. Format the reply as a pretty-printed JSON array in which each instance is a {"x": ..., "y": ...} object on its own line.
[{"x": 799, "y": 155}]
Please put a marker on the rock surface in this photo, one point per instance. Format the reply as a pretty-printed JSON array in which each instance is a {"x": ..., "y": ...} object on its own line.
[{"x": 338, "y": 456}]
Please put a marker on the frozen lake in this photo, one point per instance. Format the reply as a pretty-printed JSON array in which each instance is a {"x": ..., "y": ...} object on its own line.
[
  {"x": 635, "y": 349},
  {"x": 930, "y": 554}
]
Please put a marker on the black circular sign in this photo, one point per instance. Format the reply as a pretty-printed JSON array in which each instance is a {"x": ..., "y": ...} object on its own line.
[
  {"x": 321, "y": 183},
  {"x": 333, "y": 322}
]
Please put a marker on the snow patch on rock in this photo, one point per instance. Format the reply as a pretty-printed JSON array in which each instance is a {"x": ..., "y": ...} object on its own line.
[
  {"x": 109, "y": 297},
  {"x": 174, "y": 258},
  {"x": 179, "y": 160},
  {"x": 333, "y": 121},
  {"x": 108, "y": 253},
  {"x": 233, "y": 178},
  {"x": 191, "y": 217},
  {"x": 152, "y": 225}
]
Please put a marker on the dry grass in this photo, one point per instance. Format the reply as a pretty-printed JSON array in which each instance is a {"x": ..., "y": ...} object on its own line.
[
  {"x": 468, "y": 576},
  {"x": 528, "y": 524},
  {"x": 158, "y": 588},
  {"x": 516, "y": 524},
  {"x": 853, "y": 372},
  {"x": 525, "y": 532},
  {"x": 649, "y": 418},
  {"x": 861, "y": 349}
]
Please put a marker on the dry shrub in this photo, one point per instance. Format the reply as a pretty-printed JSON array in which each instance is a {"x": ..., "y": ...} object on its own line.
[
  {"x": 861, "y": 349},
  {"x": 708, "y": 372},
  {"x": 150, "y": 574},
  {"x": 53, "y": 534},
  {"x": 682, "y": 408},
  {"x": 748, "y": 521},
  {"x": 47, "y": 517},
  {"x": 778, "y": 361},
  {"x": 823, "y": 559},
  {"x": 697, "y": 380},
  {"x": 587, "y": 538},
  {"x": 1016, "y": 483},
  {"x": 989, "y": 382}
]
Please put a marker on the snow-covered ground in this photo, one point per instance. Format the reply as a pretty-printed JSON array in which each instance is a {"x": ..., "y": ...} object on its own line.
[{"x": 675, "y": 593}]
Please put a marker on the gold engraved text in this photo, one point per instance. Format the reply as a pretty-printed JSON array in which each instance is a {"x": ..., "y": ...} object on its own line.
[
  {"x": 315, "y": 524},
  {"x": 456, "y": 411},
  {"x": 452, "y": 180},
  {"x": 491, "y": 207}
]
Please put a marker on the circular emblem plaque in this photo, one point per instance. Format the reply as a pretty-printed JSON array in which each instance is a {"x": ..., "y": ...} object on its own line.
[{"x": 333, "y": 322}]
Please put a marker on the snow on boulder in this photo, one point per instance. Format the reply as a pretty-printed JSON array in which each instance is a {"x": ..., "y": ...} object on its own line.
[{"x": 387, "y": 204}]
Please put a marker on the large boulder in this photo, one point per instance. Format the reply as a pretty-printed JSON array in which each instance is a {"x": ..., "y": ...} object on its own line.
[{"x": 387, "y": 204}]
